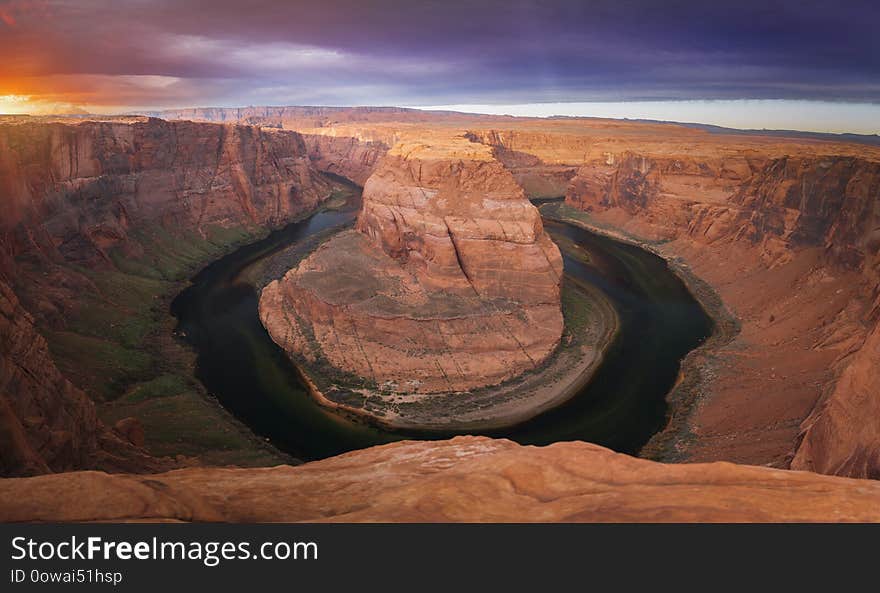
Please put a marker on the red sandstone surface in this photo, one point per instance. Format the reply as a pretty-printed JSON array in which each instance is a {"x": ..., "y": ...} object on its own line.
[
  {"x": 449, "y": 283},
  {"x": 787, "y": 242},
  {"x": 466, "y": 479}
]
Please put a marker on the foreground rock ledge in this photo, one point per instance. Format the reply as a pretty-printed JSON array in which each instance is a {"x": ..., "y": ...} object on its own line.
[{"x": 463, "y": 479}]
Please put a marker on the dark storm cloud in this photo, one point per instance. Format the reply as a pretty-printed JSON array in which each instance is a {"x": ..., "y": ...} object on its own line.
[{"x": 347, "y": 51}]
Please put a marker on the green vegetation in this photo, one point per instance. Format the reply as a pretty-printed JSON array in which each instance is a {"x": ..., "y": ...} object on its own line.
[
  {"x": 118, "y": 345},
  {"x": 166, "y": 385},
  {"x": 102, "y": 366},
  {"x": 173, "y": 256},
  {"x": 108, "y": 346},
  {"x": 189, "y": 424},
  {"x": 578, "y": 310}
]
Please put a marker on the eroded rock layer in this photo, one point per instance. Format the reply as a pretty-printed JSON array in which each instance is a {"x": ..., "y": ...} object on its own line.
[
  {"x": 466, "y": 479},
  {"x": 448, "y": 284},
  {"x": 80, "y": 198},
  {"x": 791, "y": 245},
  {"x": 73, "y": 191},
  {"x": 784, "y": 229}
]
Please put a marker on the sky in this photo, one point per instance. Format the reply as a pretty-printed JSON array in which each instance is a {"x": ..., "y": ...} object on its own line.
[{"x": 794, "y": 64}]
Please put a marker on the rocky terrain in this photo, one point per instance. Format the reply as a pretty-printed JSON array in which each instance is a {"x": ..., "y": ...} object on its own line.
[
  {"x": 788, "y": 244},
  {"x": 782, "y": 228},
  {"x": 448, "y": 284},
  {"x": 46, "y": 423},
  {"x": 103, "y": 216},
  {"x": 465, "y": 479}
]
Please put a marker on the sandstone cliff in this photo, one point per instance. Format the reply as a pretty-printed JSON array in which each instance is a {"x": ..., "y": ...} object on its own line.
[
  {"x": 61, "y": 174},
  {"x": 76, "y": 190},
  {"x": 449, "y": 285},
  {"x": 790, "y": 243},
  {"x": 86, "y": 199},
  {"x": 707, "y": 192},
  {"x": 457, "y": 219},
  {"x": 44, "y": 420},
  {"x": 466, "y": 479},
  {"x": 786, "y": 231},
  {"x": 348, "y": 157}
]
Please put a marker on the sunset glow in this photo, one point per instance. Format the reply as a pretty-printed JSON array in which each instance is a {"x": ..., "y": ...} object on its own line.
[
  {"x": 98, "y": 56},
  {"x": 15, "y": 104}
]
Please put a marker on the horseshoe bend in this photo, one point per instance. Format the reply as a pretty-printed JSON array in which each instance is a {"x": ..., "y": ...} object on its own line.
[
  {"x": 387, "y": 274},
  {"x": 447, "y": 285}
]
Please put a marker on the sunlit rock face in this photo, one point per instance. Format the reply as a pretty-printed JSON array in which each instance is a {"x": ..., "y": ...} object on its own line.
[
  {"x": 465, "y": 479},
  {"x": 457, "y": 219},
  {"x": 791, "y": 242},
  {"x": 448, "y": 283},
  {"x": 78, "y": 196}
]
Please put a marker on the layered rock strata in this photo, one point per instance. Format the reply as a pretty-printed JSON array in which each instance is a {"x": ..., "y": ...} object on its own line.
[
  {"x": 466, "y": 479},
  {"x": 790, "y": 244},
  {"x": 448, "y": 284},
  {"x": 74, "y": 191},
  {"x": 80, "y": 196},
  {"x": 784, "y": 229}
]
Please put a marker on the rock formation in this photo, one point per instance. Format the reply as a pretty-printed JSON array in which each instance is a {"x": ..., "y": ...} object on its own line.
[
  {"x": 345, "y": 156},
  {"x": 785, "y": 230},
  {"x": 790, "y": 243},
  {"x": 466, "y": 479},
  {"x": 781, "y": 227},
  {"x": 77, "y": 192},
  {"x": 449, "y": 283}
]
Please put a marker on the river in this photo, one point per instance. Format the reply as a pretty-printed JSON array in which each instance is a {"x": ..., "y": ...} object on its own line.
[{"x": 622, "y": 407}]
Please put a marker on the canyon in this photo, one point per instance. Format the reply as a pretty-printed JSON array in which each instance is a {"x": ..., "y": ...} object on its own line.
[
  {"x": 100, "y": 218},
  {"x": 783, "y": 229},
  {"x": 779, "y": 235}
]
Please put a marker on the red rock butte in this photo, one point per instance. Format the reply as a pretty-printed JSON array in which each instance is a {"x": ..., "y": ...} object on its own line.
[{"x": 449, "y": 282}]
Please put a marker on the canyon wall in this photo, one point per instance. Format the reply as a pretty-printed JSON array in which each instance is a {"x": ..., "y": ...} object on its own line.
[
  {"x": 456, "y": 218},
  {"x": 91, "y": 177},
  {"x": 345, "y": 156},
  {"x": 46, "y": 423},
  {"x": 541, "y": 171},
  {"x": 791, "y": 243},
  {"x": 74, "y": 191},
  {"x": 337, "y": 143},
  {"x": 82, "y": 198},
  {"x": 467, "y": 479},
  {"x": 448, "y": 284}
]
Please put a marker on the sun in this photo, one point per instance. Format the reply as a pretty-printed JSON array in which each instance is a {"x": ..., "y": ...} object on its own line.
[{"x": 15, "y": 104}]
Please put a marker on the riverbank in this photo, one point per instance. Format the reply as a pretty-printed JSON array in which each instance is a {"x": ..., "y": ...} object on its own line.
[
  {"x": 699, "y": 367},
  {"x": 125, "y": 349}
]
